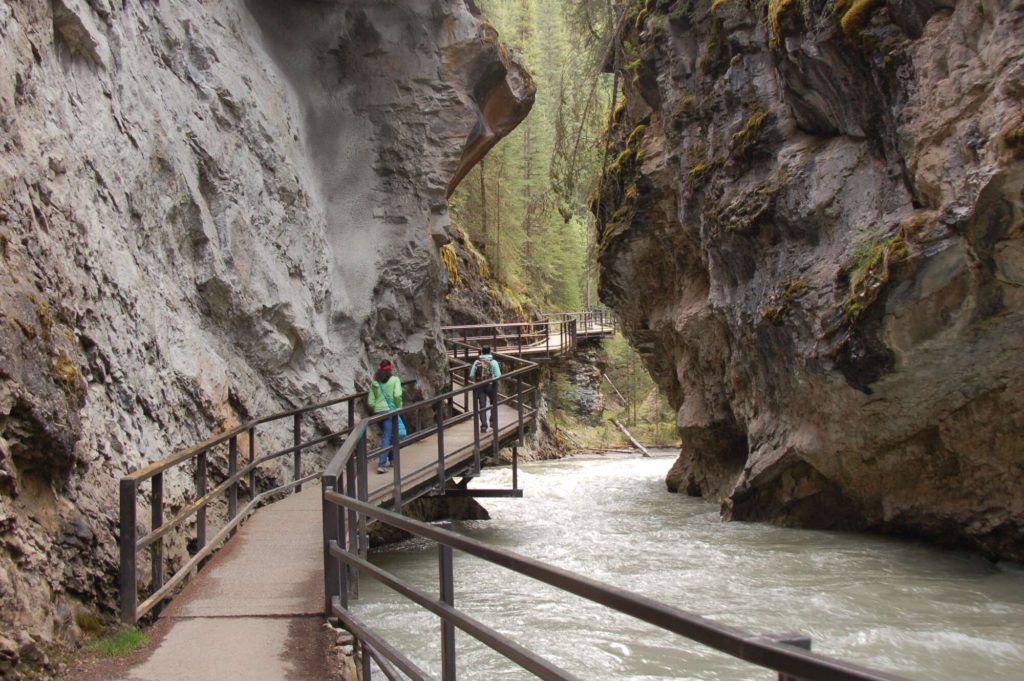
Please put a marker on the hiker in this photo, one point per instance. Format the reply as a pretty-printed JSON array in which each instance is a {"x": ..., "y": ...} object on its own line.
[
  {"x": 484, "y": 368},
  {"x": 385, "y": 395}
]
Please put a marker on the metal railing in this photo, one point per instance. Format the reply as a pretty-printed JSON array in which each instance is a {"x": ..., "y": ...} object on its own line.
[
  {"x": 789, "y": 655},
  {"x": 555, "y": 334},
  {"x": 348, "y": 471},
  {"x": 241, "y": 476},
  {"x": 235, "y": 479},
  {"x": 596, "y": 320}
]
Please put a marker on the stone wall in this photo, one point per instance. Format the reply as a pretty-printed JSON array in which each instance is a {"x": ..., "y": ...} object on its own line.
[
  {"x": 209, "y": 211},
  {"x": 812, "y": 229}
]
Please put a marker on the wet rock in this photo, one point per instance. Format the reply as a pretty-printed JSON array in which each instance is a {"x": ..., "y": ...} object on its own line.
[{"x": 812, "y": 230}]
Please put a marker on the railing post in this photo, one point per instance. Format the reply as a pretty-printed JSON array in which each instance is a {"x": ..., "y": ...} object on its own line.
[
  {"x": 533, "y": 396},
  {"x": 396, "y": 449},
  {"x": 352, "y": 526},
  {"x": 439, "y": 421},
  {"x": 365, "y": 662},
  {"x": 797, "y": 641},
  {"x": 297, "y": 455},
  {"x": 519, "y": 404},
  {"x": 476, "y": 433},
  {"x": 232, "y": 469},
  {"x": 156, "y": 521},
  {"x": 361, "y": 539},
  {"x": 252, "y": 462},
  {"x": 128, "y": 539},
  {"x": 495, "y": 428},
  {"x": 547, "y": 338},
  {"x": 446, "y": 577},
  {"x": 351, "y": 413},
  {"x": 515, "y": 468},
  {"x": 329, "y": 517},
  {"x": 519, "y": 340},
  {"x": 200, "y": 493}
]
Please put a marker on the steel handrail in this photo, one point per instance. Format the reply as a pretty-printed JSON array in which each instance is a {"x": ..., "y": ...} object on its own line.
[
  {"x": 338, "y": 462},
  {"x": 131, "y": 544},
  {"x": 183, "y": 455},
  {"x": 765, "y": 651}
]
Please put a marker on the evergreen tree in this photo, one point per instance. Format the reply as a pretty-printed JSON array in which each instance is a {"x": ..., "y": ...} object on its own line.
[{"x": 527, "y": 206}]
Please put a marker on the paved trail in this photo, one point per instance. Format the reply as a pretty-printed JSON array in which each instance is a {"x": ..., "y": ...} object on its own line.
[{"x": 256, "y": 611}]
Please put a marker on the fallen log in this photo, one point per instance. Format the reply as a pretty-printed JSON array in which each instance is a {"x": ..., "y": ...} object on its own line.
[{"x": 630, "y": 437}]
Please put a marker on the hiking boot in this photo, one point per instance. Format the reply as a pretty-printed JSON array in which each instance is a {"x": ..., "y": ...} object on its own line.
[
  {"x": 483, "y": 429},
  {"x": 381, "y": 469}
]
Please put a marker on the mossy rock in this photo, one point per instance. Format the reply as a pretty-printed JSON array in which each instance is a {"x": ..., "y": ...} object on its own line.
[
  {"x": 781, "y": 302},
  {"x": 748, "y": 140},
  {"x": 853, "y": 15},
  {"x": 636, "y": 135},
  {"x": 699, "y": 173},
  {"x": 779, "y": 11},
  {"x": 869, "y": 269}
]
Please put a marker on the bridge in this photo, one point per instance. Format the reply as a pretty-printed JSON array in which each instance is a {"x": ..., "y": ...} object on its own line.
[{"x": 296, "y": 551}]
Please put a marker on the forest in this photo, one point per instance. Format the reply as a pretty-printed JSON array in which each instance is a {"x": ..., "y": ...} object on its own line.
[{"x": 527, "y": 207}]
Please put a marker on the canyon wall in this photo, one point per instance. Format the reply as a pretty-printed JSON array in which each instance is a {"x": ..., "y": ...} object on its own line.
[
  {"x": 811, "y": 226},
  {"x": 209, "y": 211}
]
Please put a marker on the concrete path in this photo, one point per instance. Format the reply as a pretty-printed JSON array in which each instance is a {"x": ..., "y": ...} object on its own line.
[{"x": 255, "y": 612}]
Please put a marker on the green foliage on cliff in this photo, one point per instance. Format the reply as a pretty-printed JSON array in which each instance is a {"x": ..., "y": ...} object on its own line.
[
  {"x": 630, "y": 396},
  {"x": 868, "y": 270}
]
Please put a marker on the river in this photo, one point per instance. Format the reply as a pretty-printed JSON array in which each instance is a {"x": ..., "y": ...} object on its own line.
[{"x": 901, "y": 606}]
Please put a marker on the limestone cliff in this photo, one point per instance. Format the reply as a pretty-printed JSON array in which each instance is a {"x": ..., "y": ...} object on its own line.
[
  {"x": 811, "y": 225},
  {"x": 208, "y": 211}
]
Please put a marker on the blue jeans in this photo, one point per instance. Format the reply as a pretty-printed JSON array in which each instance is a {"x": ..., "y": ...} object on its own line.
[
  {"x": 481, "y": 395},
  {"x": 385, "y": 442}
]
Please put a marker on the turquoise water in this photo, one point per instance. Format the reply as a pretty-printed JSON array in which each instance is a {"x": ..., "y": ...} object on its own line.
[{"x": 920, "y": 612}]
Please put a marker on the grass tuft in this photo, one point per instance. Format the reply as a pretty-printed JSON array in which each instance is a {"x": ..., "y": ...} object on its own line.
[
  {"x": 869, "y": 269},
  {"x": 120, "y": 644}
]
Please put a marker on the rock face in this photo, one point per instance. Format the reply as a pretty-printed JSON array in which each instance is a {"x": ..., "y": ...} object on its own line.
[
  {"x": 812, "y": 228},
  {"x": 209, "y": 211},
  {"x": 583, "y": 373}
]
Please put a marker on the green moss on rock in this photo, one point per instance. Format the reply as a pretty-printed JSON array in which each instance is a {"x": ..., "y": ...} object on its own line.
[{"x": 854, "y": 15}]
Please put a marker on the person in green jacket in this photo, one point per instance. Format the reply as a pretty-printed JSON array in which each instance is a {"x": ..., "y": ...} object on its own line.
[{"x": 385, "y": 395}]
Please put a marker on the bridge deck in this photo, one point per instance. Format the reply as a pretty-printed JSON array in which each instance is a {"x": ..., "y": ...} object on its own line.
[
  {"x": 554, "y": 344},
  {"x": 419, "y": 459},
  {"x": 255, "y": 612},
  {"x": 260, "y": 599}
]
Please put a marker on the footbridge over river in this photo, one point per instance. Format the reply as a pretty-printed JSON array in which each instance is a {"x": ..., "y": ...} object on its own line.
[{"x": 294, "y": 553}]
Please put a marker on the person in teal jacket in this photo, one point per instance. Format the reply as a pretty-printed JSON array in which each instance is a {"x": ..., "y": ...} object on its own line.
[
  {"x": 483, "y": 370},
  {"x": 385, "y": 395}
]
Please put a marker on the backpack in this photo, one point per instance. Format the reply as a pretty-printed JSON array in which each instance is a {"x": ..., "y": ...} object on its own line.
[{"x": 483, "y": 370}]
